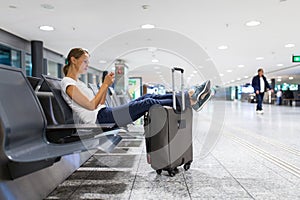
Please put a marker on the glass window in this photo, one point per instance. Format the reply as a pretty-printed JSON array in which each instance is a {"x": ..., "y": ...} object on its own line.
[
  {"x": 16, "y": 58},
  {"x": 83, "y": 78},
  {"x": 5, "y": 55},
  {"x": 97, "y": 79},
  {"x": 10, "y": 56},
  {"x": 59, "y": 70},
  {"x": 28, "y": 65},
  {"x": 90, "y": 78},
  {"x": 52, "y": 68}
]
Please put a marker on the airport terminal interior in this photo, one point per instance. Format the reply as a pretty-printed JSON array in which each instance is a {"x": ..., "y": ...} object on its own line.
[{"x": 236, "y": 137}]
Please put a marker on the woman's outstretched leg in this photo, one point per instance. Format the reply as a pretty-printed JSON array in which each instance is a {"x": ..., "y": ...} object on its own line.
[
  {"x": 154, "y": 96},
  {"x": 128, "y": 113}
]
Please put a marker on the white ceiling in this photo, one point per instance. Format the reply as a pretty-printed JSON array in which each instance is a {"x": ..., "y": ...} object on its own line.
[{"x": 188, "y": 34}]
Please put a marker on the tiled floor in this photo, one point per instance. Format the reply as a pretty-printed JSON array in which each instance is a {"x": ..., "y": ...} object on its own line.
[{"x": 255, "y": 157}]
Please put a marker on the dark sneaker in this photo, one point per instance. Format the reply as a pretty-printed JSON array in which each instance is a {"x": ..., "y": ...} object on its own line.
[
  {"x": 201, "y": 103},
  {"x": 201, "y": 91}
]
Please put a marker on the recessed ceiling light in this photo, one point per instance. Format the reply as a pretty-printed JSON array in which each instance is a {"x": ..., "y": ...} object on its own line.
[
  {"x": 12, "y": 6},
  {"x": 155, "y": 60},
  {"x": 46, "y": 28},
  {"x": 156, "y": 67},
  {"x": 223, "y": 47},
  {"x": 279, "y": 65},
  {"x": 221, "y": 74},
  {"x": 192, "y": 75},
  {"x": 238, "y": 79},
  {"x": 145, "y": 7},
  {"x": 246, "y": 76},
  {"x": 279, "y": 80},
  {"x": 158, "y": 72},
  {"x": 195, "y": 72},
  {"x": 240, "y": 66},
  {"x": 260, "y": 58},
  {"x": 290, "y": 45},
  {"x": 253, "y": 23},
  {"x": 102, "y": 61},
  {"x": 229, "y": 70},
  {"x": 148, "y": 26},
  {"x": 232, "y": 81},
  {"x": 291, "y": 78},
  {"x": 47, "y": 6},
  {"x": 152, "y": 49},
  {"x": 279, "y": 77}
]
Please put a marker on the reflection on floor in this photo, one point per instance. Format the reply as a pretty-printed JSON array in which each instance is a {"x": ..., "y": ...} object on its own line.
[{"x": 255, "y": 157}]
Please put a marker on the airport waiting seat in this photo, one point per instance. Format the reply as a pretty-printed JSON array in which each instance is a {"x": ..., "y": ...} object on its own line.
[
  {"x": 115, "y": 99},
  {"x": 61, "y": 114},
  {"x": 112, "y": 99},
  {"x": 93, "y": 87},
  {"x": 23, "y": 129},
  {"x": 108, "y": 100},
  {"x": 34, "y": 81},
  {"x": 124, "y": 97},
  {"x": 61, "y": 111}
]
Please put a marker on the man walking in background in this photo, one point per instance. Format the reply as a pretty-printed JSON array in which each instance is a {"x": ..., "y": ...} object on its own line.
[
  {"x": 260, "y": 83},
  {"x": 288, "y": 94}
]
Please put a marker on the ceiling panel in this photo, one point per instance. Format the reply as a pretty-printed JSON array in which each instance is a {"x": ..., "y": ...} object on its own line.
[{"x": 208, "y": 24}]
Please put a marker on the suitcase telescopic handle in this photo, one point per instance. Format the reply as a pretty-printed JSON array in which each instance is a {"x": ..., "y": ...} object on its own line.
[
  {"x": 178, "y": 69},
  {"x": 182, "y": 88}
]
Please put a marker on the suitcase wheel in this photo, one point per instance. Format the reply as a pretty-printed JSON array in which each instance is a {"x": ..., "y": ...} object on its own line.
[
  {"x": 172, "y": 172},
  {"x": 176, "y": 170},
  {"x": 187, "y": 166},
  {"x": 159, "y": 171}
]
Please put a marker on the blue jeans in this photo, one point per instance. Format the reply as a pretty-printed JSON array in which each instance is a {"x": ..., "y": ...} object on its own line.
[
  {"x": 260, "y": 98},
  {"x": 279, "y": 100},
  {"x": 128, "y": 113}
]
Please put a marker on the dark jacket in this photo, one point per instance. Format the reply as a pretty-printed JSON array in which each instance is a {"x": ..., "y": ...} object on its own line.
[
  {"x": 256, "y": 83},
  {"x": 288, "y": 94}
]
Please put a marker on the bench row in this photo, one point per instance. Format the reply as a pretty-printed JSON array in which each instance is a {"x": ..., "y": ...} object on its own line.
[{"x": 37, "y": 126}]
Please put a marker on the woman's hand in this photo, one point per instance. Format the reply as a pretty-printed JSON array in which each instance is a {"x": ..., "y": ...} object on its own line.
[{"x": 109, "y": 79}]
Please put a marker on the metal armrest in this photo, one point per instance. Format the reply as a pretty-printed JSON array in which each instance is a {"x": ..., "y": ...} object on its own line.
[
  {"x": 81, "y": 126},
  {"x": 44, "y": 94},
  {"x": 38, "y": 150},
  {"x": 66, "y": 133}
]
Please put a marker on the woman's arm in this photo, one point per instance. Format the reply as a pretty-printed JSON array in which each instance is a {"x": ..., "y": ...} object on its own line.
[
  {"x": 103, "y": 97},
  {"x": 80, "y": 98},
  {"x": 75, "y": 94}
]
